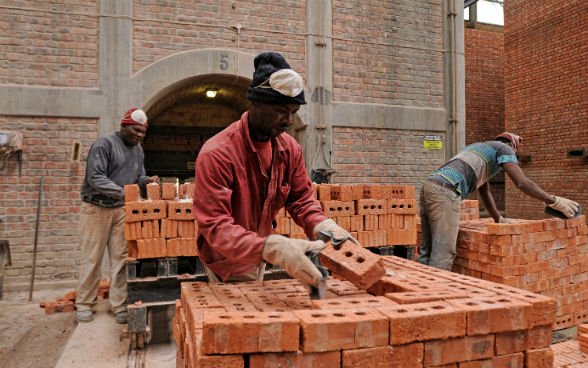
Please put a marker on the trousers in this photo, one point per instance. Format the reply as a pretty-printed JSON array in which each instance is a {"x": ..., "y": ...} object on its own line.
[
  {"x": 255, "y": 275},
  {"x": 100, "y": 228},
  {"x": 440, "y": 214}
]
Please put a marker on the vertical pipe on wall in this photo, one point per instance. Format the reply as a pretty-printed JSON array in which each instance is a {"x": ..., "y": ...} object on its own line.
[{"x": 453, "y": 79}]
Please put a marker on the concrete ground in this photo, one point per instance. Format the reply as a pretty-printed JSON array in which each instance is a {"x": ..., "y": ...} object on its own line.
[{"x": 30, "y": 338}]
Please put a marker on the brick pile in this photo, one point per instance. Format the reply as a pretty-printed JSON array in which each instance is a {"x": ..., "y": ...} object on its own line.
[
  {"x": 549, "y": 257},
  {"x": 163, "y": 225},
  {"x": 375, "y": 215},
  {"x": 419, "y": 317},
  {"x": 583, "y": 338},
  {"x": 568, "y": 355},
  {"x": 65, "y": 304}
]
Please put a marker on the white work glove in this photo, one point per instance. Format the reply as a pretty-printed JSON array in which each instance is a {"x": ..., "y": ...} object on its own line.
[
  {"x": 565, "y": 206},
  {"x": 331, "y": 227},
  {"x": 289, "y": 254},
  {"x": 503, "y": 220}
]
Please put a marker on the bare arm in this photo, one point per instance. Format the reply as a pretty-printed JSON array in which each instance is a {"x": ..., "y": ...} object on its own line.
[
  {"x": 488, "y": 201},
  {"x": 525, "y": 184}
]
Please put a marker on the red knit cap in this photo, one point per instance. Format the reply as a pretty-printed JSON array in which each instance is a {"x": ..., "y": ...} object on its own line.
[
  {"x": 515, "y": 139},
  {"x": 135, "y": 116}
]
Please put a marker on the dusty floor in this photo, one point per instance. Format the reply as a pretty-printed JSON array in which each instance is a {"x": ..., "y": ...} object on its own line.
[{"x": 30, "y": 338}]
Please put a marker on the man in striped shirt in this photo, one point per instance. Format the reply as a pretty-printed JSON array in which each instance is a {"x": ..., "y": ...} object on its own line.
[{"x": 469, "y": 170}]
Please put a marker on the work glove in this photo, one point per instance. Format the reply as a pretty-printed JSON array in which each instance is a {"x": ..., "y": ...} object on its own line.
[
  {"x": 289, "y": 254},
  {"x": 565, "y": 206},
  {"x": 329, "y": 226},
  {"x": 504, "y": 220}
]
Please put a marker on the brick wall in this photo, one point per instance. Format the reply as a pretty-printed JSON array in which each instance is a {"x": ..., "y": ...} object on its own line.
[
  {"x": 484, "y": 63},
  {"x": 47, "y": 152},
  {"x": 54, "y": 45},
  {"x": 484, "y": 81},
  {"x": 383, "y": 156},
  {"x": 546, "y": 65},
  {"x": 388, "y": 52},
  {"x": 165, "y": 28}
]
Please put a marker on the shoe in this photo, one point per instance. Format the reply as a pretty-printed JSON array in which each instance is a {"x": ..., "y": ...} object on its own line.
[
  {"x": 120, "y": 317},
  {"x": 85, "y": 316}
]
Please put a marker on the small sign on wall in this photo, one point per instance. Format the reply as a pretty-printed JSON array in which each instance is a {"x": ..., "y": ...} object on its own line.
[
  {"x": 190, "y": 165},
  {"x": 432, "y": 142}
]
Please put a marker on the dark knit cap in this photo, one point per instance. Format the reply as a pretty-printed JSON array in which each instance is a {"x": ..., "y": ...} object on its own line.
[{"x": 265, "y": 65}]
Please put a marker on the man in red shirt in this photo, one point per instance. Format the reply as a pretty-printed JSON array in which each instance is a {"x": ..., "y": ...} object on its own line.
[{"x": 246, "y": 174}]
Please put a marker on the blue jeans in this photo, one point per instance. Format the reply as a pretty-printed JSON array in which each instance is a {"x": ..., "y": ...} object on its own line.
[{"x": 440, "y": 214}]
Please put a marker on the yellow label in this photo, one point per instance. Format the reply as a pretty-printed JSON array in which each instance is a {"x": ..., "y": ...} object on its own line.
[
  {"x": 190, "y": 165},
  {"x": 433, "y": 145}
]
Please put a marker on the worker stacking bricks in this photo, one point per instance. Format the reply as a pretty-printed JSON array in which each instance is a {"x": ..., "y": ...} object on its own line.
[
  {"x": 376, "y": 215},
  {"x": 162, "y": 225},
  {"x": 421, "y": 317},
  {"x": 548, "y": 257}
]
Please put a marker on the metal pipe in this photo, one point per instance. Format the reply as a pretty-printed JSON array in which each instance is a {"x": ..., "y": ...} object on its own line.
[
  {"x": 453, "y": 82},
  {"x": 36, "y": 237}
]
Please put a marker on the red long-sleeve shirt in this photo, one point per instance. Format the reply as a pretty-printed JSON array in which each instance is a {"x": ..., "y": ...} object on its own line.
[{"x": 235, "y": 202}]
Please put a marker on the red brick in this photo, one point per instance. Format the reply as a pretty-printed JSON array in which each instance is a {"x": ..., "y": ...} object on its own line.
[
  {"x": 237, "y": 333},
  {"x": 356, "y": 223},
  {"x": 516, "y": 341},
  {"x": 516, "y": 360},
  {"x": 355, "y": 263},
  {"x": 463, "y": 349},
  {"x": 338, "y": 208},
  {"x": 370, "y": 207},
  {"x": 402, "y": 206},
  {"x": 488, "y": 315},
  {"x": 324, "y": 192},
  {"x": 168, "y": 191},
  {"x": 145, "y": 210},
  {"x": 539, "y": 358},
  {"x": 367, "y": 301},
  {"x": 296, "y": 359},
  {"x": 413, "y": 297},
  {"x": 180, "y": 210},
  {"x": 131, "y": 193},
  {"x": 424, "y": 321},
  {"x": 153, "y": 191},
  {"x": 409, "y": 355},
  {"x": 328, "y": 330}
]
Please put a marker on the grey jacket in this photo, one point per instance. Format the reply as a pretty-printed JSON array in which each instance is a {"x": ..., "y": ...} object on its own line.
[{"x": 111, "y": 165}]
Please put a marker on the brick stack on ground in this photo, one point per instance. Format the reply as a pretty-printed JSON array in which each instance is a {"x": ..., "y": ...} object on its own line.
[
  {"x": 583, "y": 338},
  {"x": 377, "y": 215},
  {"x": 413, "y": 316},
  {"x": 163, "y": 225},
  {"x": 568, "y": 355},
  {"x": 549, "y": 257}
]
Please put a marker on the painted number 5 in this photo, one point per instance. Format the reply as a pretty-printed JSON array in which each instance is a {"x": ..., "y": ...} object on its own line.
[{"x": 224, "y": 62}]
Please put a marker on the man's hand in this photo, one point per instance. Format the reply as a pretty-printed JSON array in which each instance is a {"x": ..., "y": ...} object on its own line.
[
  {"x": 503, "y": 220},
  {"x": 565, "y": 206},
  {"x": 289, "y": 254},
  {"x": 331, "y": 227},
  {"x": 153, "y": 179}
]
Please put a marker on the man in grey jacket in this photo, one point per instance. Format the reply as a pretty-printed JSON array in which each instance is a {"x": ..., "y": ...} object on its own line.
[{"x": 114, "y": 160}]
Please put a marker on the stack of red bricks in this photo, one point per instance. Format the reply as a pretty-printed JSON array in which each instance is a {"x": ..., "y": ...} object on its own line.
[
  {"x": 549, "y": 257},
  {"x": 583, "y": 338},
  {"x": 567, "y": 354},
  {"x": 418, "y": 317},
  {"x": 163, "y": 225},
  {"x": 376, "y": 215},
  {"x": 469, "y": 210}
]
